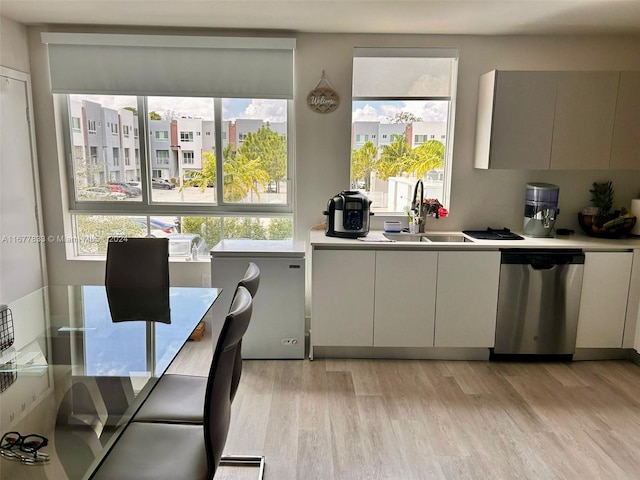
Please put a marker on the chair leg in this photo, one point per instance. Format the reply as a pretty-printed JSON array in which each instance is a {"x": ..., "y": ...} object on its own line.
[{"x": 244, "y": 461}]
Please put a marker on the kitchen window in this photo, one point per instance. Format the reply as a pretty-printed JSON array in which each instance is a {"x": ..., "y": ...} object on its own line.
[
  {"x": 231, "y": 189},
  {"x": 403, "y": 105}
]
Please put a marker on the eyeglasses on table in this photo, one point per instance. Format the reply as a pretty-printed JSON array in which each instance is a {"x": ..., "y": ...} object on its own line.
[{"x": 24, "y": 448}]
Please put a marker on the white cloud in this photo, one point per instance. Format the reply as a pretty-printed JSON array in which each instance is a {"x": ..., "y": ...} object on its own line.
[
  {"x": 367, "y": 114},
  {"x": 267, "y": 110}
]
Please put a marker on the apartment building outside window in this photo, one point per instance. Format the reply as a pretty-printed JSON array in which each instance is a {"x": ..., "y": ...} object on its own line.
[
  {"x": 403, "y": 105},
  {"x": 162, "y": 157},
  {"x": 162, "y": 136},
  {"x": 187, "y": 157}
]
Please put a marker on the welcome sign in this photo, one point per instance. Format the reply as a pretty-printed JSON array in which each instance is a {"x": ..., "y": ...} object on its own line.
[{"x": 323, "y": 99}]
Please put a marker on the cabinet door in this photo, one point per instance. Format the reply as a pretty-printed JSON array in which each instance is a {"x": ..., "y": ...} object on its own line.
[
  {"x": 342, "y": 283},
  {"x": 523, "y": 114},
  {"x": 603, "y": 302},
  {"x": 625, "y": 151},
  {"x": 467, "y": 299},
  {"x": 405, "y": 294},
  {"x": 583, "y": 126}
]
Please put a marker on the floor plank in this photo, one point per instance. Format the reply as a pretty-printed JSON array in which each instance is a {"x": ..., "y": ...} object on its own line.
[{"x": 423, "y": 419}]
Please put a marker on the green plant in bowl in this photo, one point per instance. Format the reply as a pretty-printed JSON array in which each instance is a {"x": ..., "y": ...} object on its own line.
[{"x": 605, "y": 223}]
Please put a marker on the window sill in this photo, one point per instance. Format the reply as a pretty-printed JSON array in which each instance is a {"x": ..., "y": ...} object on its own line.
[{"x": 102, "y": 258}]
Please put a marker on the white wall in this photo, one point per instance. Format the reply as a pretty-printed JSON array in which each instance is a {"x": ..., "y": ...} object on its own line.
[
  {"x": 20, "y": 261},
  {"x": 479, "y": 198},
  {"x": 14, "y": 50}
]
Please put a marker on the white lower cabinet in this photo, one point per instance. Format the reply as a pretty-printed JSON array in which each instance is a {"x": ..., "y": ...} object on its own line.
[
  {"x": 405, "y": 294},
  {"x": 603, "y": 303},
  {"x": 467, "y": 299},
  {"x": 403, "y": 298},
  {"x": 342, "y": 297}
]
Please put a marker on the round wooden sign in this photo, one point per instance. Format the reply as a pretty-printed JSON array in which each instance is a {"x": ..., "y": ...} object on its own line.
[{"x": 323, "y": 100}]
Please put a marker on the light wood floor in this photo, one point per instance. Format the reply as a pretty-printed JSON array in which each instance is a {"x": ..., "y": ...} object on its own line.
[{"x": 425, "y": 419}]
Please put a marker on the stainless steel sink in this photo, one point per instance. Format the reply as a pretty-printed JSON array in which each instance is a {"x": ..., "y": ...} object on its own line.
[
  {"x": 406, "y": 237},
  {"x": 434, "y": 237},
  {"x": 428, "y": 237}
]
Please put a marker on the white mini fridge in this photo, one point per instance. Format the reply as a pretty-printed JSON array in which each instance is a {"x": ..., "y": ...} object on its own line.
[{"x": 277, "y": 324}]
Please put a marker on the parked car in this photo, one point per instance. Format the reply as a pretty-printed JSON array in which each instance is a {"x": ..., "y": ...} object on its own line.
[
  {"x": 125, "y": 188},
  {"x": 162, "y": 183},
  {"x": 100, "y": 193},
  {"x": 182, "y": 244}
]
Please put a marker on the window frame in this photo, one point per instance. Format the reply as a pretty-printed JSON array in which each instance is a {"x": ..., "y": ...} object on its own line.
[
  {"x": 146, "y": 206},
  {"x": 431, "y": 52}
]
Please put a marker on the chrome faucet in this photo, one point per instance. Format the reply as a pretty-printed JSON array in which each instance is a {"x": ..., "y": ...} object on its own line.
[{"x": 417, "y": 206}]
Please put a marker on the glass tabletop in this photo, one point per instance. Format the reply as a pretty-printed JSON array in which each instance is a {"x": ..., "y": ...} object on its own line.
[{"x": 76, "y": 374}]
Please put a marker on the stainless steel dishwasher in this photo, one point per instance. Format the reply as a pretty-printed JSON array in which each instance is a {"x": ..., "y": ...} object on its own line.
[{"x": 538, "y": 301}]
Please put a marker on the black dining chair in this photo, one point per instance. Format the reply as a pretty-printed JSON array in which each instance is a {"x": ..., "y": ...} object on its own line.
[
  {"x": 157, "y": 451},
  {"x": 180, "y": 398},
  {"x": 137, "y": 279}
]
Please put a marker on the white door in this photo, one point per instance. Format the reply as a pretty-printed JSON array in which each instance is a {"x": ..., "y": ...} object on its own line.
[{"x": 21, "y": 246}]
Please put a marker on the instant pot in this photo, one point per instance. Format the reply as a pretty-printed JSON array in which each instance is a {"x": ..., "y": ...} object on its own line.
[{"x": 348, "y": 215}]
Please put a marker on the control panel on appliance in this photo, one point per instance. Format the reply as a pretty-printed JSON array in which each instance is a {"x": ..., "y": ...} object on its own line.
[{"x": 353, "y": 219}]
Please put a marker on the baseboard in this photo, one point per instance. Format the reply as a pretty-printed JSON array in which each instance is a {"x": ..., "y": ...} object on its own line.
[
  {"x": 634, "y": 357},
  {"x": 409, "y": 353},
  {"x": 602, "y": 354}
]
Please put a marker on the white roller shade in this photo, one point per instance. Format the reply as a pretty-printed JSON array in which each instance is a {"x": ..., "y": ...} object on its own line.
[
  {"x": 424, "y": 73},
  {"x": 171, "y": 65}
]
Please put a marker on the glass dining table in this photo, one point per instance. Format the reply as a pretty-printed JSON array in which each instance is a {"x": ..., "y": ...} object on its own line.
[{"x": 76, "y": 375}]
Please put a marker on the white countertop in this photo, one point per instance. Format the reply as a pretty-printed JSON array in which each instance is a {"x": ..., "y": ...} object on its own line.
[
  {"x": 258, "y": 248},
  {"x": 317, "y": 238}
]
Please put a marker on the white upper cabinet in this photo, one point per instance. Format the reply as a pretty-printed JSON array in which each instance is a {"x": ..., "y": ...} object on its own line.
[
  {"x": 515, "y": 119},
  {"x": 583, "y": 125},
  {"x": 558, "y": 120},
  {"x": 625, "y": 151}
]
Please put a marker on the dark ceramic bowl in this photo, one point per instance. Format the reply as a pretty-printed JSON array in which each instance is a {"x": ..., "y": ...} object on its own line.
[{"x": 593, "y": 225}]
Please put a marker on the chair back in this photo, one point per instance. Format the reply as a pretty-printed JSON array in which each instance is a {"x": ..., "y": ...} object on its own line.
[
  {"x": 250, "y": 281},
  {"x": 137, "y": 279},
  {"x": 137, "y": 262},
  {"x": 217, "y": 406}
]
